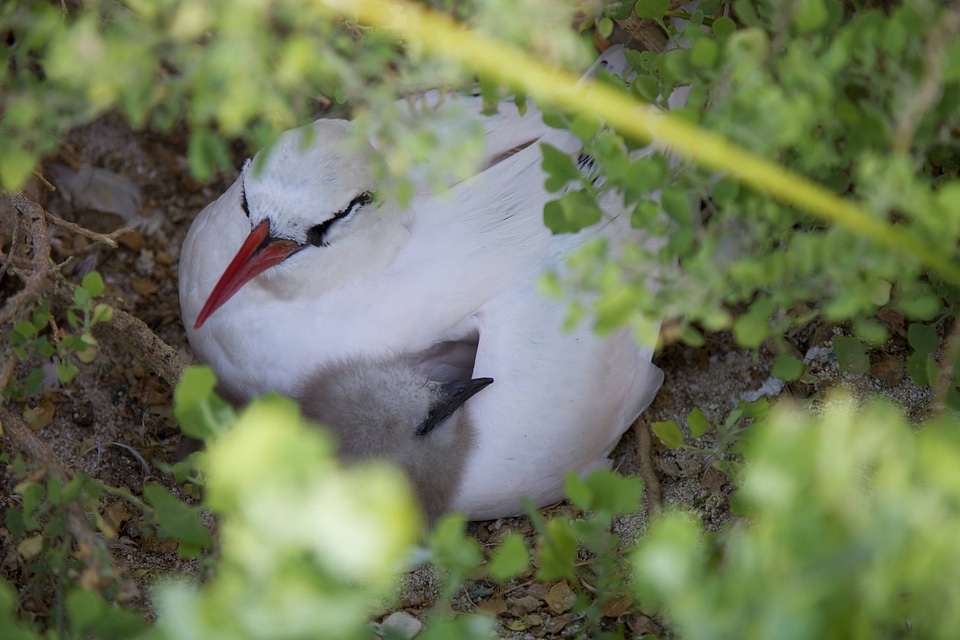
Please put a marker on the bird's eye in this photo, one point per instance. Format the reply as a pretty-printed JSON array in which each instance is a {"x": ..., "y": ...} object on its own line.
[{"x": 316, "y": 235}]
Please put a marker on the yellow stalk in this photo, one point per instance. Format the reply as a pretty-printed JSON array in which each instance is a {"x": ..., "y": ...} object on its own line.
[{"x": 516, "y": 68}]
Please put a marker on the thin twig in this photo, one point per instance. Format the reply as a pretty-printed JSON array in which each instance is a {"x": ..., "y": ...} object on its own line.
[
  {"x": 83, "y": 231},
  {"x": 645, "y": 458},
  {"x": 49, "y": 185}
]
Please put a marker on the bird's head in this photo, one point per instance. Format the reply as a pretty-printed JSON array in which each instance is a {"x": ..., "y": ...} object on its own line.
[{"x": 313, "y": 215}]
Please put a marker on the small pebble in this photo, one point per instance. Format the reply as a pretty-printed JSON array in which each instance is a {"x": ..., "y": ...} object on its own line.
[{"x": 401, "y": 624}]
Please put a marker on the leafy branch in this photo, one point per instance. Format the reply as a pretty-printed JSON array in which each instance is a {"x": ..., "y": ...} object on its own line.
[{"x": 514, "y": 67}]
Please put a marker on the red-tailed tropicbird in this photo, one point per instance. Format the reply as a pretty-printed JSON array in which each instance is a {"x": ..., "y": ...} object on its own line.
[{"x": 300, "y": 265}]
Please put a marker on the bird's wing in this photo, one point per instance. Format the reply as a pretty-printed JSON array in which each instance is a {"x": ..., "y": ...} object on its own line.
[{"x": 559, "y": 402}]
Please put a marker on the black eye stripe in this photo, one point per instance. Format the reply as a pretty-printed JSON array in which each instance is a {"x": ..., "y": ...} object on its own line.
[
  {"x": 316, "y": 234},
  {"x": 243, "y": 199}
]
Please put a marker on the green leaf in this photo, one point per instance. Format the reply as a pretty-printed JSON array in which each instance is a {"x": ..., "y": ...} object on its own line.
[
  {"x": 16, "y": 164},
  {"x": 851, "y": 355},
  {"x": 646, "y": 174},
  {"x": 669, "y": 433},
  {"x": 704, "y": 53},
  {"x": 644, "y": 214},
  {"x": 559, "y": 167},
  {"x": 725, "y": 191},
  {"x": 922, "y": 369},
  {"x": 787, "y": 368},
  {"x": 25, "y": 329},
  {"x": 921, "y": 307},
  {"x": 697, "y": 423},
  {"x": 90, "y": 614},
  {"x": 81, "y": 298},
  {"x": 206, "y": 152},
  {"x": 585, "y": 126},
  {"x": 577, "y": 491},
  {"x": 93, "y": 284},
  {"x": 15, "y": 522},
  {"x": 71, "y": 491},
  {"x": 923, "y": 337},
  {"x": 32, "y": 495},
  {"x": 753, "y": 327},
  {"x": 102, "y": 313},
  {"x": 653, "y": 9},
  {"x": 953, "y": 399},
  {"x": 810, "y": 15},
  {"x": 34, "y": 380},
  {"x": 723, "y": 28},
  {"x": 605, "y": 27},
  {"x": 613, "y": 493},
  {"x": 691, "y": 335},
  {"x": 453, "y": 550},
  {"x": 571, "y": 213},
  {"x": 646, "y": 88},
  {"x": 67, "y": 371},
  {"x": 198, "y": 410},
  {"x": 754, "y": 409},
  {"x": 557, "y": 551},
  {"x": 510, "y": 560},
  {"x": 177, "y": 520}
]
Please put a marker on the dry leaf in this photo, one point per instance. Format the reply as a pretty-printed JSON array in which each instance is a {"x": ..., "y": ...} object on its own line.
[
  {"x": 714, "y": 480},
  {"x": 166, "y": 546},
  {"x": 526, "y": 604},
  {"x": 30, "y": 547},
  {"x": 538, "y": 590},
  {"x": 118, "y": 514},
  {"x": 144, "y": 285},
  {"x": 889, "y": 369},
  {"x": 40, "y": 416},
  {"x": 556, "y": 624},
  {"x": 515, "y": 625},
  {"x": 644, "y": 626},
  {"x": 560, "y": 598},
  {"x": 618, "y": 607},
  {"x": 494, "y": 606},
  {"x": 131, "y": 240},
  {"x": 533, "y": 620}
]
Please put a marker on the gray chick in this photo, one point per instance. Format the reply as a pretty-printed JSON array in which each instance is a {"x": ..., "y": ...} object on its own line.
[{"x": 387, "y": 409}]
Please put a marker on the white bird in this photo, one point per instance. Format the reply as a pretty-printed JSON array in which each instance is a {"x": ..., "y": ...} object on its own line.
[
  {"x": 387, "y": 409},
  {"x": 300, "y": 264}
]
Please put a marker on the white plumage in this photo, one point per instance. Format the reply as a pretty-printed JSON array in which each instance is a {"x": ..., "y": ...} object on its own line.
[{"x": 451, "y": 281}]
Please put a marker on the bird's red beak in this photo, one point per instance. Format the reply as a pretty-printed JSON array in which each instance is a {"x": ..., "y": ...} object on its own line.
[{"x": 258, "y": 253}]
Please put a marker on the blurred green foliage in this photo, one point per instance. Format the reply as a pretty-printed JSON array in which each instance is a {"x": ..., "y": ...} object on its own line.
[
  {"x": 307, "y": 547},
  {"x": 848, "y": 533},
  {"x": 862, "y": 99},
  {"x": 226, "y": 69},
  {"x": 847, "y": 518}
]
